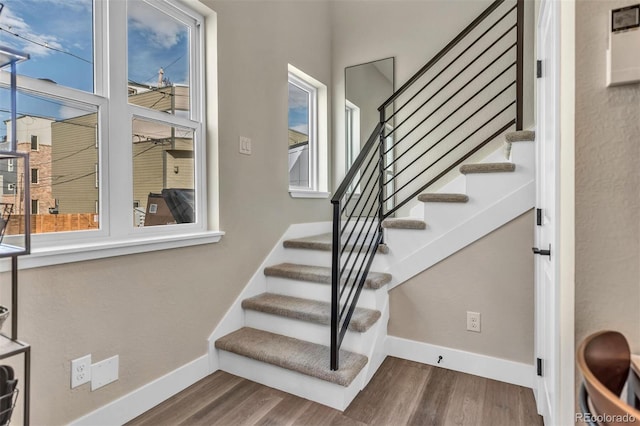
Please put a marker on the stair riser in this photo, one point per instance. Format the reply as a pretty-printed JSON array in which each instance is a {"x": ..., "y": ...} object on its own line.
[
  {"x": 442, "y": 217},
  {"x": 524, "y": 155},
  {"x": 311, "y": 332},
  {"x": 372, "y": 299},
  {"x": 323, "y": 258},
  {"x": 320, "y": 391}
]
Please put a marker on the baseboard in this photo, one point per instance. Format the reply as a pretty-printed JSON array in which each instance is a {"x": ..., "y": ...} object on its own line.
[
  {"x": 503, "y": 370},
  {"x": 148, "y": 396}
]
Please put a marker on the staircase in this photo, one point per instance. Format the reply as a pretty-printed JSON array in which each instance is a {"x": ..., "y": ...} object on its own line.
[{"x": 313, "y": 319}]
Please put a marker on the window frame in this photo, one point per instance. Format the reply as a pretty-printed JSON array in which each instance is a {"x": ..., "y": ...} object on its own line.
[
  {"x": 35, "y": 138},
  {"x": 117, "y": 234},
  {"x": 35, "y": 175},
  {"x": 312, "y": 118},
  {"x": 318, "y": 135}
]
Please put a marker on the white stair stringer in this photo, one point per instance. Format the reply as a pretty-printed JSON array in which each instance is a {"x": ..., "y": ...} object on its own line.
[{"x": 494, "y": 199}]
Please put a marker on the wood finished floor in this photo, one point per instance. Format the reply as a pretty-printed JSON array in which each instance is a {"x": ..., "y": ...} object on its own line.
[{"x": 401, "y": 393}]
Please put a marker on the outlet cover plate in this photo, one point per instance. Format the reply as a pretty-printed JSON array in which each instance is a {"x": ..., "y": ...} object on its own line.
[
  {"x": 473, "y": 321},
  {"x": 104, "y": 372},
  {"x": 80, "y": 371}
]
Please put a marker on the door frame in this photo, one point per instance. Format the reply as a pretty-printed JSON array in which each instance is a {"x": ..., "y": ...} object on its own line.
[{"x": 564, "y": 236}]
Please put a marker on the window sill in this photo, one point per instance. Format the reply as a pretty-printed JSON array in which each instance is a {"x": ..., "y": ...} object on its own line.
[
  {"x": 109, "y": 248},
  {"x": 301, "y": 193}
]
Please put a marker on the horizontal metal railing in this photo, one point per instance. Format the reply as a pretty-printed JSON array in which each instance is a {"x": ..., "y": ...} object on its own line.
[{"x": 467, "y": 95}]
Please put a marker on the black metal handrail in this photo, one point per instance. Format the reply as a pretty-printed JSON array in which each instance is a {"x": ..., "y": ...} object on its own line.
[{"x": 426, "y": 152}]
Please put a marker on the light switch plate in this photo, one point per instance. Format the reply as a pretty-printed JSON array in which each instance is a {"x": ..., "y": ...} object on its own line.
[
  {"x": 104, "y": 372},
  {"x": 245, "y": 145}
]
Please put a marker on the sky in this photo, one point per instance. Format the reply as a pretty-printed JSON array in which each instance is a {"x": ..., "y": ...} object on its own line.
[
  {"x": 298, "y": 109},
  {"x": 58, "y": 34}
]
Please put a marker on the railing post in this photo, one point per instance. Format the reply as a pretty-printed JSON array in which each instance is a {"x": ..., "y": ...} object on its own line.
[
  {"x": 519, "y": 65},
  {"x": 335, "y": 286},
  {"x": 381, "y": 196}
]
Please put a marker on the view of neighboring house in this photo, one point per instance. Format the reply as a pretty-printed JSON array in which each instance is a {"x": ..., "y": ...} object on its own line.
[
  {"x": 64, "y": 159},
  {"x": 298, "y": 158}
]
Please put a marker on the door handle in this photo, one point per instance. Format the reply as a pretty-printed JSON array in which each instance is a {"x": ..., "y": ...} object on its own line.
[{"x": 536, "y": 250}]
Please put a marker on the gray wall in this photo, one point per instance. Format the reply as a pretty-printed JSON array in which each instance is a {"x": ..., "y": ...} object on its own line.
[
  {"x": 607, "y": 154},
  {"x": 420, "y": 30},
  {"x": 493, "y": 276},
  {"x": 156, "y": 310}
]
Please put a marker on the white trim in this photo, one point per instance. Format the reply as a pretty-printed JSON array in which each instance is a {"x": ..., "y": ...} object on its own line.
[
  {"x": 133, "y": 404},
  {"x": 302, "y": 193},
  {"x": 82, "y": 250},
  {"x": 504, "y": 370}
]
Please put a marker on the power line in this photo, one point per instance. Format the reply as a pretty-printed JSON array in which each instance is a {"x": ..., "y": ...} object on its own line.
[
  {"x": 46, "y": 45},
  {"x": 172, "y": 63},
  {"x": 73, "y": 179}
]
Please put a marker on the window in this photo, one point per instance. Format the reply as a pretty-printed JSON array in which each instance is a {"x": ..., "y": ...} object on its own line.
[
  {"x": 302, "y": 133},
  {"x": 10, "y": 163},
  {"x": 306, "y": 135},
  {"x": 34, "y": 207},
  {"x": 352, "y": 126},
  {"x": 69, "y": 97},
  {"x": 11, "y": 187}
]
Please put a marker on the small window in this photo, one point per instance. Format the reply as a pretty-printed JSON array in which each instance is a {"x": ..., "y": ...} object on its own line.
[
  {"x": 35, "y": 207},
  {"x": 10, "y": 163},
  {"x": 34, "y": 175},
  {"x": 11, "y": 187},
  {"x": 302, "y": 133},
  {"x": 34, "y": 142}
]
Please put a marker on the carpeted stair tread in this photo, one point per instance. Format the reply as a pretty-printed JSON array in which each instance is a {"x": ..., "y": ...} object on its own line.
[
  {"x": 323, "y": 242},
  {"x": 438, "y": 197},
  {"x": 487, "y": 168},
  {"x": 320, "y": 274},
  {"x": 404, "y": 223},
  {"x": 308, "y": 310},
  {"x": 521, "y": 136},
  {"x": 293, "y": 354}
]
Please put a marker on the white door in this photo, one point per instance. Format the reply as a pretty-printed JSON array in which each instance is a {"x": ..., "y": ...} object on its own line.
[{"x": 547, "y": 137}]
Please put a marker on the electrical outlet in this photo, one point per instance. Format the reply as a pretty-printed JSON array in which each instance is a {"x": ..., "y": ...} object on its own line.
[
  {"x": 104, "y": 372},
  {"x": 80, "y": 371},
  {"x": 473, "y": 321}
]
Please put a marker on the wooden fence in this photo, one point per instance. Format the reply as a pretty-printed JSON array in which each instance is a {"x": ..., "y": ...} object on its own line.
[{"x": 41, "y": 223}]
